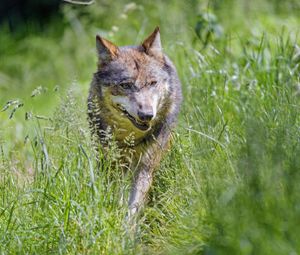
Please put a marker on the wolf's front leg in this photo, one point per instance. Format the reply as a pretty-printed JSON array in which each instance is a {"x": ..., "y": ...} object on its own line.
[
  {"x": 140, "y": 188},
  {"x": 150, "y": 158}
]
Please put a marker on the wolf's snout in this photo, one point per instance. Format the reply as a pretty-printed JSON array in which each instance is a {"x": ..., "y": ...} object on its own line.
[{"x": 145, "y": 116}]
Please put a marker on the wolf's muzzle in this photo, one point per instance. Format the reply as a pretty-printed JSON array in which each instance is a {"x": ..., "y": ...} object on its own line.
[
  {"x": 142, "y": 125},
  {"x": 145, "y": 116}
]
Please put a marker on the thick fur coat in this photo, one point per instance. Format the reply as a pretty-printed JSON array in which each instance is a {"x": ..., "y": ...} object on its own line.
[{"x": 135, "y": 93}]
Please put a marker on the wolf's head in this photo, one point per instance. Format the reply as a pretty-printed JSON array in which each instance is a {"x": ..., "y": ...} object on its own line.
[{"x": 133, "y": 82}]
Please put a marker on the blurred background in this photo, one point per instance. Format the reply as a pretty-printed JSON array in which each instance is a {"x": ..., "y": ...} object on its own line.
[{"x": 50, "y": 43}]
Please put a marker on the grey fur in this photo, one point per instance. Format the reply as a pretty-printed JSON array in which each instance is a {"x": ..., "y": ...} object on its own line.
[{"x": 135, "y": 66}]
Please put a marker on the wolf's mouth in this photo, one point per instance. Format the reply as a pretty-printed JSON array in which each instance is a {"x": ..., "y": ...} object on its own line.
[{"x": 140, "y": 125}]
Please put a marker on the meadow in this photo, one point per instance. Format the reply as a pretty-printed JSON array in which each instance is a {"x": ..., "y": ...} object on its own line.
[{"x": 230, "y": 182}]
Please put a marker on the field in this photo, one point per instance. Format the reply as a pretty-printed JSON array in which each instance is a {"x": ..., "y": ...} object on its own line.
[{"x": 230, "y": 182}]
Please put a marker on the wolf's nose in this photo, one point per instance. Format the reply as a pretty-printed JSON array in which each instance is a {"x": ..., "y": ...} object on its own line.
[{"x": 145, "y": 116}]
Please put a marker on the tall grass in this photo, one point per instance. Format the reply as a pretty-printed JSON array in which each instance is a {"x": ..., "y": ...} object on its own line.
[{"x": 229, "y": 184}]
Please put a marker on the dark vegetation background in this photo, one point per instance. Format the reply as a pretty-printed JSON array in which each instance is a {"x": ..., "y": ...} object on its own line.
[{"x": 229, "y": 185}]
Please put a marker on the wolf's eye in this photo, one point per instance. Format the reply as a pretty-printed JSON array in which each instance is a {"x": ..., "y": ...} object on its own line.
[
  {"x": 126, "y": 85},
  {"x": 153, "y": 83}
]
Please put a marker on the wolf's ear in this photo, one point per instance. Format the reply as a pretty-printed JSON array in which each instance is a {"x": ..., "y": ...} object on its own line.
[
  {"x": 106, "y": 49},
  {"x": 152, "y": 44}
]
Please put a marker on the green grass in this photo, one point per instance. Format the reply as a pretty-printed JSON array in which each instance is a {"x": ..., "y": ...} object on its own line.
[{"x": 230, "y": 183}]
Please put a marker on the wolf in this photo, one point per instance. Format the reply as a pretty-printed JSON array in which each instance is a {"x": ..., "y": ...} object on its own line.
[{"x": 136, "y": 93}]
